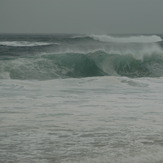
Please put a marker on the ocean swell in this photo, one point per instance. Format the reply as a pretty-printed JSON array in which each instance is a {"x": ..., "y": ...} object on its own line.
[
  {"x": 43, "y": 59},
  {"x": 76, "y": 65}
]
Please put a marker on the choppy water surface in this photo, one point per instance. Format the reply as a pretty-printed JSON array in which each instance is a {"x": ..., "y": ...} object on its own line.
[
  {"x": 106, "y": 119},
  {"x": 86, "y": 99}
]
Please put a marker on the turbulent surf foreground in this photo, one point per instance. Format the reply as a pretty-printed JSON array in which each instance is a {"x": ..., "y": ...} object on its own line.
[{"x": 81, "y": 98}]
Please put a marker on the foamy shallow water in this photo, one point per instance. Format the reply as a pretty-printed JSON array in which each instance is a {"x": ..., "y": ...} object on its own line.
[{"x": 87, "y": 120}]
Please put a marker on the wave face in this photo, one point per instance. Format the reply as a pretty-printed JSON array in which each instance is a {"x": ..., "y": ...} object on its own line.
[{"x": 66, "y": 56}]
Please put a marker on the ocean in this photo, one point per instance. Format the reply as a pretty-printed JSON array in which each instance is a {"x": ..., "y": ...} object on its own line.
[{"x": 71, "y": 98}]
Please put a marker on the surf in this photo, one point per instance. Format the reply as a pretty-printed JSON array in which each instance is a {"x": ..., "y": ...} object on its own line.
[
  {"x": 77, "y": 57},
  {"x": 76, "y": 65},
  {"x": 129, "y": 39},
  {"x": 23, "y": 43},
  {"x": 120, "y": 39}
]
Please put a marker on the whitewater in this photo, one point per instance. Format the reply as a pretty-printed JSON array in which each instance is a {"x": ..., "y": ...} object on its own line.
[{"x": 68, "y": 98}]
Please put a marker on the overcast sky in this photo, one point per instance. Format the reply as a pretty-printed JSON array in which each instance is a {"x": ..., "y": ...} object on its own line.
[{"x": 81, "y": 16}]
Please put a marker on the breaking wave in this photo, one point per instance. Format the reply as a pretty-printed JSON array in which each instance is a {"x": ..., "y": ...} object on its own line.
[
  {"x": 129, "y": 39},
  {"x": 65, "y": 65},
  {"x": 80, "y": 56},
  {"x": 24, "y": 43}
]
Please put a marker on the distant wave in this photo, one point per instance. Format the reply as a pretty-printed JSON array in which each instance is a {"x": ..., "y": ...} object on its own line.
[
  {"x": 24, "y": 43},
  {"x": 129, "y": 39},
  {"x": 137, "y": 51}
]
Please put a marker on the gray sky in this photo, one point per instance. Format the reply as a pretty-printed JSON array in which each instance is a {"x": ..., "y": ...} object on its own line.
[{"x": 81, "y": 16}]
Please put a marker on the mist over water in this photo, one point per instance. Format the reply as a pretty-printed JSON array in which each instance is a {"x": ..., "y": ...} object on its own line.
[{"x": 81, "y": 98}]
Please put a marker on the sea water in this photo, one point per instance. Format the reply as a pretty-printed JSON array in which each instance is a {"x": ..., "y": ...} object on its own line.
[{"x": 81, "y": 98}]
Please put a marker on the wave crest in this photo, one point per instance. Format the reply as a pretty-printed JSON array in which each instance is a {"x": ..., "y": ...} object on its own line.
[
  {"x": 129, "y": 39},
  {"x": 77, "y": 65},
  {"x": 24, "y": 43}
]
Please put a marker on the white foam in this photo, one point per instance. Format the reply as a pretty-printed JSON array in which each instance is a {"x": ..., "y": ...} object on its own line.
[
  {"x": 140, "y": 52},
  {"x": 24, "y": 43},
  {"x": 4, "y": 75},
  {"x": 129, "y": 39},
  {"x": 84, "y": 120}
]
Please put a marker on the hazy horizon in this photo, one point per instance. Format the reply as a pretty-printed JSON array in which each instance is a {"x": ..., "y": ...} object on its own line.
[{"x": 81, "y": 17}]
